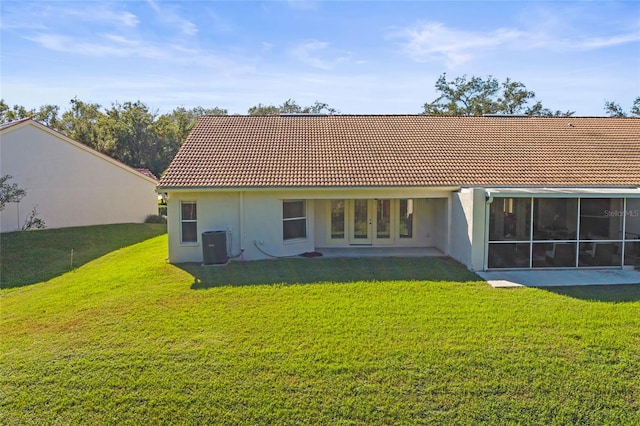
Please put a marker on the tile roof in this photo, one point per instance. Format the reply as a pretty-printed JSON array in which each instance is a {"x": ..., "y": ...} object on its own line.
[
  {"x": 148, "y": 173},
  {"x": 406, "y": 150}
]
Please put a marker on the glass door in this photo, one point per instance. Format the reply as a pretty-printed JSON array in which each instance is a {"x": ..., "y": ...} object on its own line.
[
  {"x": 383, "y": 222},
  {"x": 361, "y": 229}
]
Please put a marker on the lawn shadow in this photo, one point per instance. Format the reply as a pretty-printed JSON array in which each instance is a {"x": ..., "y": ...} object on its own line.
[
  {"x": 619, "y": 293},
  {"x": 30, "y": 257},
  {"x": 314, "y": 270}
]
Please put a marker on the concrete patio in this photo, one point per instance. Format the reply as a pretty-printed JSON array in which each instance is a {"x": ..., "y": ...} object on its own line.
[
  {"x": 365, "y": 251},
  {"x": 560, "y": 278}
]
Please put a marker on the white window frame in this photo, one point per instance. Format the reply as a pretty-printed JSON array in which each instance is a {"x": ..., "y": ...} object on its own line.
[
  {"x": 297, "y": 218},
  {"x": 183, "y": 221}
]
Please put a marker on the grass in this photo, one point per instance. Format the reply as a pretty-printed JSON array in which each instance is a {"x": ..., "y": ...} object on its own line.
[
  {"x": 130, "y": 339},
  {"x": 31, "y": 257}
]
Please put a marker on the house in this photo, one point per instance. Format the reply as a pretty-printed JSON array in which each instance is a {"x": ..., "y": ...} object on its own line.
[
  {"x": 67, "y": 182},
  {"x": 492, "y": 192}
]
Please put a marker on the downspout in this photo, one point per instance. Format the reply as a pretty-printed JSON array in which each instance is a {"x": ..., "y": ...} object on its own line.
[
  {"x": 624, "y": 229},
  {"x": 449, "y": 224},
  {"x": 485, "y": 261},
  {"x": 241, "y": 233}
]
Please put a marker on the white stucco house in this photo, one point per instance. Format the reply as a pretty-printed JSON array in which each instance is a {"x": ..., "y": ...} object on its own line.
[
  {"x": 70, "y": 183},
  {"x": 493, "y": 192}
]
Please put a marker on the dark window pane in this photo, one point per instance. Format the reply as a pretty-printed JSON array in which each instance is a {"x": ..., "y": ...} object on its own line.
[
  {"x": 632, "y": 248},
  {"x": 361, "y": 219},
  {"x": 549, "y": 255},
  {"x": 632, "y": 253},
  {"x": 508, "y": 255},
  {"x": 555, "y": 218},
  {"x": 337, "y": 219},
  {"x": 189, "y": 211},
  {"x": 383, "y": 223},
  {"x": 600, "y": 254},
  {"x": 601, "y": 219},
  {"x": 189, "y": 232},
  {"x": 296, "y": 228},
  {"x": 292, "y": 209},
  {"x": 510, "y": 219}
]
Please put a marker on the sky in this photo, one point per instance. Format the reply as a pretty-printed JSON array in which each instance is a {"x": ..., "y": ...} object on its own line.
[{"x": 359, "y": 57}]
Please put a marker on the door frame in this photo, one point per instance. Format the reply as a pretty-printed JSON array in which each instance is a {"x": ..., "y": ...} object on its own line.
[{"x": 372, "y": 224}]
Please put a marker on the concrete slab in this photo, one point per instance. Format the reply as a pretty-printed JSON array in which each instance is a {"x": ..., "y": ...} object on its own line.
[
  {"x": 366, "y": 251},
  {"x": 560, "y": 278}
]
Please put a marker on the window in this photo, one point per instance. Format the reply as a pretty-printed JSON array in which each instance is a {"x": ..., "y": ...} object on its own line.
[
  {"x": 337, "y": 219},
  {"x": 294, "y": 220},
  {"x": 188, "y": 222},
  {"x": 406, "y": 218}
]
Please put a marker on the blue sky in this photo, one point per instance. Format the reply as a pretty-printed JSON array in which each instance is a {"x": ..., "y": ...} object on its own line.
[{"x": 359, "y": 57}]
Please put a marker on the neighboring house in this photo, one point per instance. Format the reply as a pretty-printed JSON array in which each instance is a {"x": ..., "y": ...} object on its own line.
[
  {"x": 492, "y": 192},
  {"x": 69, "y": 183}
]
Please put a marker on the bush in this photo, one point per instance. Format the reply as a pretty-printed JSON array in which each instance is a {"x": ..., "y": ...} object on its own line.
[{"x": 155, "y": 218}]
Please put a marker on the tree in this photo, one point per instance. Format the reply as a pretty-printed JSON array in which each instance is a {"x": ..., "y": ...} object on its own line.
[
  {"x": 635, "y": 108},
  {"x": 264, "y": 110},
  {"x": 83, "y": 122},
  {"x": 614, "y": 109},
  {"x": 46, "y": 114},
  {"x": 18, "y": 112},
  {"x": 291, "y": 107},
  {"x": 10, "y": 192},
  {"x": 129, "y": 132},
  {"x": 478, "y": 96}
]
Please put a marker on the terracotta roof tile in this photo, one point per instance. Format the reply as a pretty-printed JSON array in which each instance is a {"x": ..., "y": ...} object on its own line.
[{"x": 406, "y": 150}]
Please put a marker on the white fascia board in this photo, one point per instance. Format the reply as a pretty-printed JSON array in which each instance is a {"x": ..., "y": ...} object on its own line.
[
  {"x": 593, "y": 192},
  {"x": 334, "y": 192}
]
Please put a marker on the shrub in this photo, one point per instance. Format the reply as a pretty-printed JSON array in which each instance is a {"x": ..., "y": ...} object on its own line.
[{"x": 155, "y": 218}]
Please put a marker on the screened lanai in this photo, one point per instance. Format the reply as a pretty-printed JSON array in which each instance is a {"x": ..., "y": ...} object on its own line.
[{"x": 563, "y": 228}]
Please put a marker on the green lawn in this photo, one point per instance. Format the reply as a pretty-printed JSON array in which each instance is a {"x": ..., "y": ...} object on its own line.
[
  {"x": 130, "y": 339},
  {"x": 31, "y": 257}
]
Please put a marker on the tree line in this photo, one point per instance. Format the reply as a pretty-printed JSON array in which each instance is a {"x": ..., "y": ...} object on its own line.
[{"x": 142, "y": 138}]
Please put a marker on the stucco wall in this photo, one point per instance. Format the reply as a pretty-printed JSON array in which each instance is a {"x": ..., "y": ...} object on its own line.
[
  {"x": 256, "y": 232},
  {"x": 70, "y": 186},
  {"x": 467, "y": 236},
  {"x": 441, "y": 221},
  {"x": 254, "y": 219}
]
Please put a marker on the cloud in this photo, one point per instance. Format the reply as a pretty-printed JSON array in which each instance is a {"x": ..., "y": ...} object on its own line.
[
  {"x": 601, "y": 42},
  {"x": 108, "y": 45},
  {"x": 435, "y": 42},
  {"x": 117, "y": 46},
  {"x": 314, "y": 53},
  {"x": 169, "y": 16},
  {"x": 128, "y": 19},
  {"x": 40, "y": 16}
]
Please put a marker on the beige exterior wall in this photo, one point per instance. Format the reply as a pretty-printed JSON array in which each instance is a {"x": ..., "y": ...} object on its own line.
[
  {"x": 70, "y": 184},
  {"x": 253, "y": 219},
  {"x": 467, "y": 230}
]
